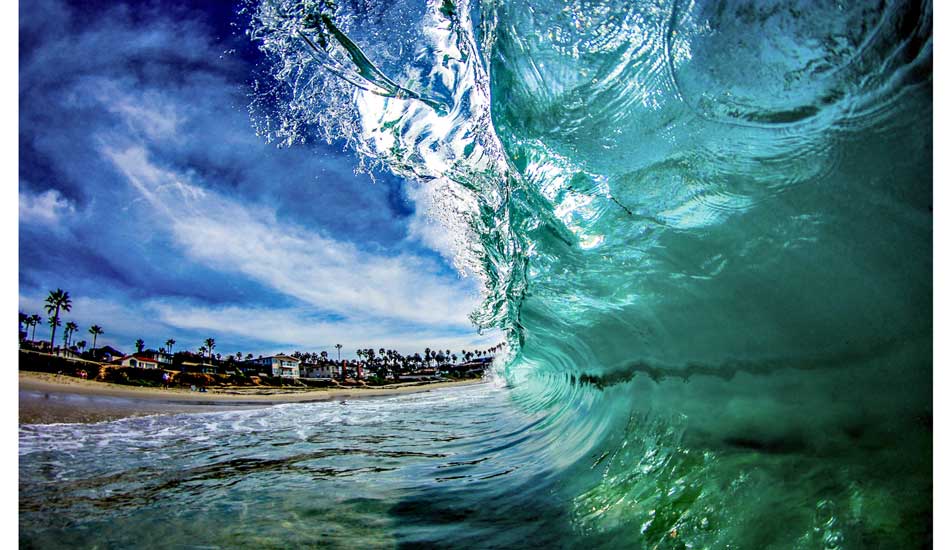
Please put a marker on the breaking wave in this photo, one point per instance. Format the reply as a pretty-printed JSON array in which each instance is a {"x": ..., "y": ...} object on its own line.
[{"x": 704, "y": 227}]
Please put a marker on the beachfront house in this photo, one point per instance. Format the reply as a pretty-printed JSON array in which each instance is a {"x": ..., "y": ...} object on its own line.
[
  {"x": 280, "y": 365},
  {"x": 475, "y": 367},
  {"x": 138, "y": 362},
  {"x": 309, "y": 370},
  {"x": 202, "y": 367},
  {"x": 107, "y": 354},
  {"x": 429, "y": 373},
  {"x": 163, "y": 359}
]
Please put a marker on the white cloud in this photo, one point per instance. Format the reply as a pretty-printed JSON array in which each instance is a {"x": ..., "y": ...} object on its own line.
[
  {"x": 47, "y": 207},
  {"x": 328, "y": 274},
  {"x": 148, "y": 113}
]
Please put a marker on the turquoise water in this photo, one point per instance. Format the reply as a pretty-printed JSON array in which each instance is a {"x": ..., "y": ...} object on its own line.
[
  {"x": 704, "y": 227},
  {"x": 452, "y": 466}
]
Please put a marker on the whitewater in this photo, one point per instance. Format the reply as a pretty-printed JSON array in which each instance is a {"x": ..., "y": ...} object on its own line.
[{"x": 706, "y": 231}]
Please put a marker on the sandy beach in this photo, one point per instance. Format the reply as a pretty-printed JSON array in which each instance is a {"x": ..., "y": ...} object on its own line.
[{"x": 50, "y": 398}]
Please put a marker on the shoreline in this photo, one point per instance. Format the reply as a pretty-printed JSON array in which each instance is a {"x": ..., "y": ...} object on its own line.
[{"x": 50, "y": 398}]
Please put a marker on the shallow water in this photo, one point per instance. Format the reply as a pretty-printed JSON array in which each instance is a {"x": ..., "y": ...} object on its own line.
[
  {"x": 53, "y": 407},
  {"x": 459, "y": 466},
  {"x": 704, "y": 227}
]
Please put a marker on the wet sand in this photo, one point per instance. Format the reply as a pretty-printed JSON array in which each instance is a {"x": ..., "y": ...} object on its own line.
[{"x": 50, "y": 398}]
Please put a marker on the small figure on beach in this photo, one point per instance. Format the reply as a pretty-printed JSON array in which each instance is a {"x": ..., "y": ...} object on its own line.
[{"x": 165, "y": 378}]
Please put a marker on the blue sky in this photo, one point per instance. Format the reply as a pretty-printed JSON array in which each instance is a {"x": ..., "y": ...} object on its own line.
[{"x": 145, "y": 193}]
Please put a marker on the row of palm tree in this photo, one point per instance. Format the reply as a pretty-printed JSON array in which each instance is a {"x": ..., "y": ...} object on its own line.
[
  {"x": 381, "y": 361},
  {"x": 378, "y": 361},
  {"x": 58, "y": 302},
  {"x": 367, "y": 357}
]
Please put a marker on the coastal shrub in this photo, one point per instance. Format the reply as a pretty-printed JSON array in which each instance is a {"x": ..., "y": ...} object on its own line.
[
  {"x": 131, "y": 376},
  {"x": 278, "y": 381},
  {"x": 240, "y": 377},
  {"x": 194, "y": 379},
  {"x": 44, "y": 362},
  {"x": 376, "y": 380}
]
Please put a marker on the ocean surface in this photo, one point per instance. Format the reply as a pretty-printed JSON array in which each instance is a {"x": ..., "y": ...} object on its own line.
[{"x": 706, "y": 231}]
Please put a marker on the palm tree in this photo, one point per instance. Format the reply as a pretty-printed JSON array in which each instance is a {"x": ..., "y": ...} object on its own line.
[
  {"x": 81, "y": 345},
  {"x": 95, "y": 331},
  {"x": 338, "y": 348},
  {"x": 53, "y": 322},
  {"x": 24, "y": 321},
  {"x": 57, "y": 300},
  {"x": 170, "y": 343},
  {"x": 239, "y": 355},
  {"x": 34, "y": 320},
  {"x": 202, "y": 350},
  {"x": 209, "y": 343},
  {"x": 71, "y": 327},
  {"x": 139, "y": 345}
]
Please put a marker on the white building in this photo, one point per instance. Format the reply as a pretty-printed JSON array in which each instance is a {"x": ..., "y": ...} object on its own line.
[
  {"x": 139, "y": 362},
  {"x": 205, "y": 368},
  {"x": 281, "y": 365},
  {"x": 318, "y": 371},
  {"x": 163, "y": 359}
]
